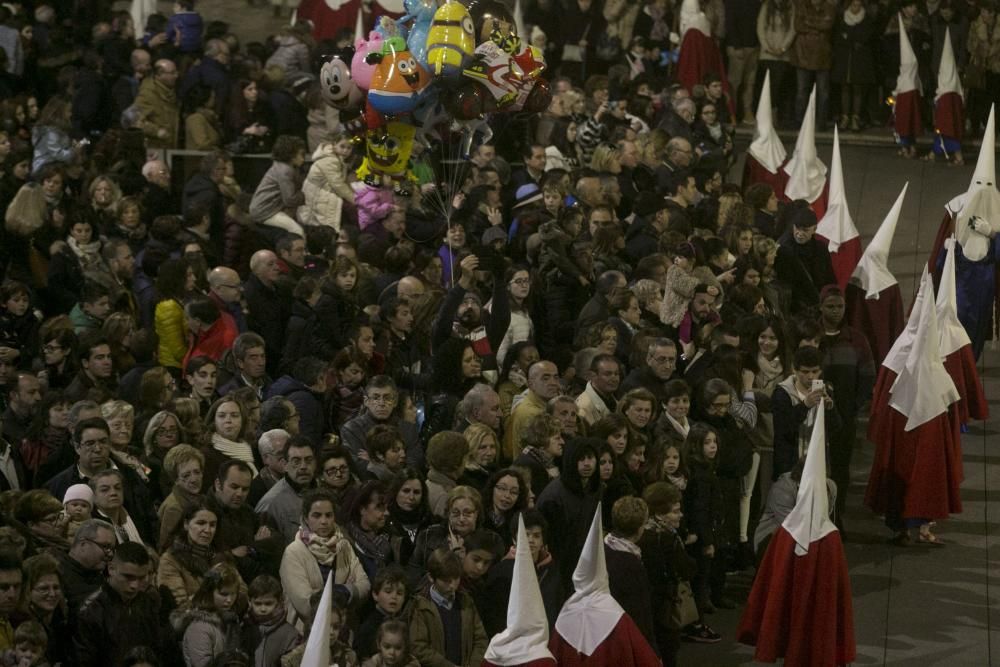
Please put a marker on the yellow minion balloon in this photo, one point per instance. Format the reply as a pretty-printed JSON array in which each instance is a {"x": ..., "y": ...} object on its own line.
[{"x": 451, "y": 39}]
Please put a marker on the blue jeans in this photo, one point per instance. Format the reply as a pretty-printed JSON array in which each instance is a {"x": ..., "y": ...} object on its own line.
[{"x": 804, "y": 81}]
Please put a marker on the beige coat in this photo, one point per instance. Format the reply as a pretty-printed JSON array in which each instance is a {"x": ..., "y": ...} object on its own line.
[
  {"x": 590, "y": 406},
  {"x": 326, "y": 190},
  {"x": 181, "y": 583},
  {"x": 301, "y": 576}
]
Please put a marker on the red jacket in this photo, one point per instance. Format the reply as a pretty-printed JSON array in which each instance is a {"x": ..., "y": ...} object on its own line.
[{"x": 214, "y": 341}]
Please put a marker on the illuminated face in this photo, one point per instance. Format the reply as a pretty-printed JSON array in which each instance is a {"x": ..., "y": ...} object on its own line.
[{"x": 671, "y": 461}]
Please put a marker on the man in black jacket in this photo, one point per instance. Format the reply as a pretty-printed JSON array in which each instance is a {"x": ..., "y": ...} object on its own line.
[
  {"x": 462, "y": 314},
  {"x": 92, "y": 443},
  {"x": 269, "y": 304},
  {"x": 122, "y": 614},
  {"x": 82, "y": 569}
]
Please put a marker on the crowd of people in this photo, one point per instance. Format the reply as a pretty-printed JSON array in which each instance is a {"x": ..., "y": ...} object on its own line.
[{"x": 218, "y": 393}]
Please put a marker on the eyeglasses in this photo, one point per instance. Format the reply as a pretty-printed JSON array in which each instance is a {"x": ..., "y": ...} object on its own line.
[
  {"x": 169, "y": 430},
  {"x": 521, "y": 281},
  {"x": 108, "y": 549},
  {"x": 721, "y": 405},
  {"x": 336, "y": 470},
  {"x": 509, "y": 490},
  {"x": 665, "y": 360},
  {"x": 384, "y": 399},
  {"x": 462, "y": 514},
  {"x": 52, "y": 348},
  {"x": 53, "y": 589},
  {"x": 94, "y": 446}
]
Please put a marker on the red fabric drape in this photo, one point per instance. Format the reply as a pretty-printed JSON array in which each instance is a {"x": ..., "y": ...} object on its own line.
[
  {"x": 881, "y": 320},
  {"x": 754, "y": 172},
  {"x": 800, "y": 606},
  {"x": 845, "y": 260},
  {"x": 624, "y": 647},
  {"x": 949, "y": 115},
  {"x": 906, "y": 115},
  {"x": 961, "y": 366}
]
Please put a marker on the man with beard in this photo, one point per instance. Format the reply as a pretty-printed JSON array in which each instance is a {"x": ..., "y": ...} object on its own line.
[
  {"x": 283, "y": 502},
  {"x": 462, "y": 315},
  {"x": 381, "y": 396},
  {"x": 23, "y": 394}
]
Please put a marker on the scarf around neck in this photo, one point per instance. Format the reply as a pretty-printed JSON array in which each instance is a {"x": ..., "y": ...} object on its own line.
[
  {"x": 376, "y": 545},
  {"x": 323, "y": 550},
  {"x": 234, "y": 450},
  {"x": 854, "y": 19},
  {"x": 770, "y": 371},
  {"x": 621, "y": 544}
]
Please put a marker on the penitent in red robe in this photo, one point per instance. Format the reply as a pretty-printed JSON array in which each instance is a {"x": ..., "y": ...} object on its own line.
[
  {"x": 818, "y": 206},
  {"x": 949, "y": 116},
  {"x": 915, "y": 474},
  {"x": 906, "y": 116},
  {"x": 845, "y": 259},
  {"x": 755, "y": 172},
  {"x": 961, "y": 366},
  {"x": 624, "y": 647},
  {"x": 800, "y": 607},
  {"x": 545, "y": 662},
  {"x": 881, "y": 320},
  {"x": 700, "y": 55}
]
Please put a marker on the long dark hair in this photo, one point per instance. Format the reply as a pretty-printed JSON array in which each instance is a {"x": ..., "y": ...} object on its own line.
[
  {"x": 397, "y": 483},
  {"x": 522, "y": 497},
  {"x": 446, "y": 375},
  {"x": 40, "y": 422}
]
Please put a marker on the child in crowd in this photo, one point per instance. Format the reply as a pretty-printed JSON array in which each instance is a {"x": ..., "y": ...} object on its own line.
[
  {"x": 445, "y": 627},
  {"x": 341, "y": 653},
  {"x": 389, "y": 592},
  {"x": 704, "y": 509},
  {"x": 393, "y": 647},
  {"x": 265, "y": 629},
  {"x": 211, "y": 627},
  {"x": 483, "y": 548},
  {"x": 185, "y": 27},
  {"x": 30, "y": 644},
  {"x": 374, "y": 204},
  {"x": 78, "y": 504}
]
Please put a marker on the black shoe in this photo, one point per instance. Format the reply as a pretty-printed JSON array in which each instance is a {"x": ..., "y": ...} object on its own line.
[{"x": 701, "y": 634}]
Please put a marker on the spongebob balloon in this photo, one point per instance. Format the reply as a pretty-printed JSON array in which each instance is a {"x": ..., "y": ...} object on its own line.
[
  {"x": 398, "y": 78},
  {"x": 388, "y": 154},
  {"x": 451, "y": 40}
]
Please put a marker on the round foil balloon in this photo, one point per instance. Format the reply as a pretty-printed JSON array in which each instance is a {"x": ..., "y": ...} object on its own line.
[
  {"x": 337, "y": 86},
  {"x": 494, "y": 22},
  {"x": 451, "y": 39}
]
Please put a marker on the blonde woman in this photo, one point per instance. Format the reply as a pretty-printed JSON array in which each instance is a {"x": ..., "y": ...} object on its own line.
[
  {"x": 480, "y": 461},
  {"x": 120, "y": 417},
  {"x": 184, "y": 466}
]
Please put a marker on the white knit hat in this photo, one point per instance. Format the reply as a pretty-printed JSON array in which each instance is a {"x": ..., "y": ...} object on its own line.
[{"x": 79, "y": 492}]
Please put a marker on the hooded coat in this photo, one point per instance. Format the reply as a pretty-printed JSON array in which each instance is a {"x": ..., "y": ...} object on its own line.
[{"x": 568, "y": 504}]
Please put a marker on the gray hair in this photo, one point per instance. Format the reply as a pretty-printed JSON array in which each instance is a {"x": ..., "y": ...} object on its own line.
[
  {"x": 131, "y": 117},
  {"x": 110, "y": 472},
  {"x": 268, "y": 443},
  {"x": 87, "y": 532},
  {"x": 684, "y": 103},
  {"x": 77, "y": 408},
  {"x": 475, "y": 398}
]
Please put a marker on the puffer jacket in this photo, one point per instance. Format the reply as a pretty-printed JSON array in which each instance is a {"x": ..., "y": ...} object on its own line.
[
  {"x": 206, "y": 635},
  {"x": 325, "y": 190},
  {"x": 50, "y": 145},
  {"x": 171, "y": 327},
  {"x": 107, "y": 627},
  {"x": 291, "y": 55}
]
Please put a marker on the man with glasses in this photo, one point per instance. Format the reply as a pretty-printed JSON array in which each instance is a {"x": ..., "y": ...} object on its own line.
[
  {"x": 82, "y": 569},
  {"x": 92, "y": 442},
  {"x": 337, "y": 476},
  {"x": 660, "y": 368},
  {"x": 122, "y": 615},
  {"x": 381, "y": 396},
  {"x": 283, "y": 502},
  {"x": 226, "y": 291}
]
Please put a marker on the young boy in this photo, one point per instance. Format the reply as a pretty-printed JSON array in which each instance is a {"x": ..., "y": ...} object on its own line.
[
  {"x": 445, "y": 628},
  {"x": 389, "y": 591},
  {"x": 393, "y": 648},
  {"x": 78, "y": 504},
  {"x": 92, "y": 309},
  {"x": 266, "y": 629},
  {"x": 501, "y": 578},
  {"x": 792, "y": 405},
  {"x": 340, "y": 653},
  {"x": 483, "y": 548},
  {"x": 30, "y": 643}
]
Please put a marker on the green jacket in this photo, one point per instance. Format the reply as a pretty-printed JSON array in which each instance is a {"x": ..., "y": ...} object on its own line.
[{"x": 427, "y": 632}]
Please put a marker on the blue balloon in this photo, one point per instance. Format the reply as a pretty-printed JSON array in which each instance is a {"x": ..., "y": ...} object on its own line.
[{"x": 422, "y": 13}]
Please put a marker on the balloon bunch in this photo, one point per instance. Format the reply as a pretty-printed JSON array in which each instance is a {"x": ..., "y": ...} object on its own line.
[{"x": 437, "y": 68}]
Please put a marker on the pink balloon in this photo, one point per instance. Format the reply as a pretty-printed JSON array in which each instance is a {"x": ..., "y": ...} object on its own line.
[{"x": 361, "y": 71}]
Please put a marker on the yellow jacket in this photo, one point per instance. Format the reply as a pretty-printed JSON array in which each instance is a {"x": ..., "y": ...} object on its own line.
[{"x": 171, "y": 327}]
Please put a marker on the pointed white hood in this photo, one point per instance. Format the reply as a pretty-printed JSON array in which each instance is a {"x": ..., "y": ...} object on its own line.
[
  {"x": 767, "y": 148},
  {"x": 810, "y": 521},
  {"x": 923, "y": 390},
  {"x": 806, "y": 173},
  {"x": 693, "y": 17},
  {"x": 527, "y": 635},
  {"x": 981, "y": 212},
  {"x": 952, "y": 334},
  {"x": 317, "y": 653},
  {"x": 909, "y": 75},
  {"x": 948, "y": 79},
  {"x": 872, "y": 272},
  {"x": 837, "y": 226},
  {"x": 359, "y": 27},
  {"x": 895, "y": 359},
  {"x": 590, "y": 614}
]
